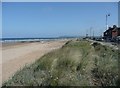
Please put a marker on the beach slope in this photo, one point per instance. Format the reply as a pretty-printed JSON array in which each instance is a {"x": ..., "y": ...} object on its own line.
[{"x": 16, "y": 56}]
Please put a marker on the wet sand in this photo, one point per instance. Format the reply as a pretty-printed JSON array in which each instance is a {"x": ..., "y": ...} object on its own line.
[{"x": 16, "y": 56}]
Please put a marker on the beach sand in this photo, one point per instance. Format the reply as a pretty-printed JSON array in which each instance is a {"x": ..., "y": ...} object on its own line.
[{"x": 16, "y": 56}]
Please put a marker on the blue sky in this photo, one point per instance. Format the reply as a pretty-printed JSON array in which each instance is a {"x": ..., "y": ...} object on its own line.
[{"x": 53, "y": 19}]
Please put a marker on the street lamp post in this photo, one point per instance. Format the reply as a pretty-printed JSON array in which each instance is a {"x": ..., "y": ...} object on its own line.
[
  {"x": 90, "y": 31},
  {"x": 93, "y": 34},
  {"x": 107, "y": 20}
]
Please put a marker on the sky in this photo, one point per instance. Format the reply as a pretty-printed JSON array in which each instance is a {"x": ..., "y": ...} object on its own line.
[{"x": 54, "y": 19}]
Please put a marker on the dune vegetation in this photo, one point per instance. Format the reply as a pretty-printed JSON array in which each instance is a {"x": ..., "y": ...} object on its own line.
[{"x": 77, "y": 63}]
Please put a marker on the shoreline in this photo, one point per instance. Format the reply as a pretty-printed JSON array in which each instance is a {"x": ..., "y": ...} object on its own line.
[
  {"x": 25, "y": 42},
  {"x": 17, "y": 55}
]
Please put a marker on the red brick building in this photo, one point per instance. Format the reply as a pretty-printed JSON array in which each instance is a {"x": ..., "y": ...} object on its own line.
[
  {"x": 112, "y": 33},
  {"x": 115, "y": 32}
]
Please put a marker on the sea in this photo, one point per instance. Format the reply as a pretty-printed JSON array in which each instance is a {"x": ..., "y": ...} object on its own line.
[{"x": 8, "y": 40}]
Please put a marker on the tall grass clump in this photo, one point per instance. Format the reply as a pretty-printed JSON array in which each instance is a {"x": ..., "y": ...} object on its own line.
[{"x": 105, "y": 70}]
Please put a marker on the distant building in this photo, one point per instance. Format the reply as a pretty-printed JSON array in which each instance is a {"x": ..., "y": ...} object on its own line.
[
  {"x": 115, "y": 32},
  {"x": 112, "y": 33}
]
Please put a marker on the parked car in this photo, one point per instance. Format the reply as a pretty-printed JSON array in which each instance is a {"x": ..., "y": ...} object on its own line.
[
  {"x": 98, "y": 39},
  {"x": 118, "y": 39},
  {"x": 113, "y": 40}
]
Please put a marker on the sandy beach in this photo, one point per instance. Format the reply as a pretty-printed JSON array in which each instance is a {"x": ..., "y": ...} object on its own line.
[{"x": 16, "y": 56}]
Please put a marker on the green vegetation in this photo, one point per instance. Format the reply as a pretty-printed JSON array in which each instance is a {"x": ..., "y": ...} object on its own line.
[{"x": 77, "y": 63}]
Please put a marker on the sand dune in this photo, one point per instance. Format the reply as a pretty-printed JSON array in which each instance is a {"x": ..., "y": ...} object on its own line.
[{"x": 17, "y": 56}]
